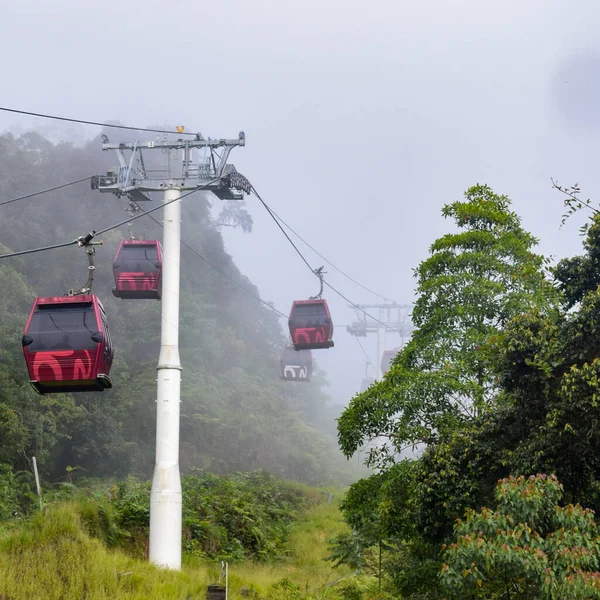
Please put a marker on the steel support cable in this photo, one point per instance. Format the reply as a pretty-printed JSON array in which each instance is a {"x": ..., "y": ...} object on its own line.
[
  {"x": 99, "y": 124},
  {"x": 221, "y": 272},
  {"x": 289, "y": 239},
  {"x": 42, "y": 249},
  {"x": 314, "y": 271},
  {"x": 52, "y": 189},
  {"x": 119, "y": 224},
  {"x": 328, "y": 261}
]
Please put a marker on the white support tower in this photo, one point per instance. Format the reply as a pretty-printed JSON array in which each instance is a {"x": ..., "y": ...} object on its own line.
[
  {"x": 165, "y": 498},
  {"x": 133, "y": 180},
  {"x": 391, "y": 318}
]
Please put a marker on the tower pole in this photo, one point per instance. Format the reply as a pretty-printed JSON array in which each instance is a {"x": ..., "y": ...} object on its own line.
[
  {"x": 165, "y": 498},
  {"x": 380, "y": 350},
  {"x": 210, "y": 173}
]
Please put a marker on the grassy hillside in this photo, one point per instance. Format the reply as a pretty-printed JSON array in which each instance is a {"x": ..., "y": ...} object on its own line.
[{"x": 54, "y": 557}]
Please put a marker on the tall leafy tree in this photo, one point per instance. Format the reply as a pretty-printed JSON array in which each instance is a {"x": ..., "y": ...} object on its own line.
[{"x": 476, "y": 279}]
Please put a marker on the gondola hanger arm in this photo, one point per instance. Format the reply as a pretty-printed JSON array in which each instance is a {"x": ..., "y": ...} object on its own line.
[
  {"x": 319, "y": 273},
  {"x": 85, "y": 241}
]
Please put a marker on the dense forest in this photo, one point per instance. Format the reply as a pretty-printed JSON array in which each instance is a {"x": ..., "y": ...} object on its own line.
[
  {"x": 236, "y": 415},
  {"x": 497, "y": 389}
]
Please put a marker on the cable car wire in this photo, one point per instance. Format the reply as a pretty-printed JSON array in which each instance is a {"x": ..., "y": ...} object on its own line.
[
  {"x": 362, "y": 310},
  {"x": 99, "y": 124},
  {"x": 52, "y": 189},
  {"x": 43, "y": 249},
  {"x": 328, "y": 261},
  {"x": 314, "y": 271},
  {"x": 97, "y": 233},
  {"x": 221, "y": 272},
  {"x": 162, "y": 205}
]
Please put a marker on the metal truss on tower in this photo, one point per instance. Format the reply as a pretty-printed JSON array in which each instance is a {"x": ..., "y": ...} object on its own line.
[
  {"x": 391, "y": 318},
  {"x": 203, "y": 163},
  {"x": 394, "y": 318}
]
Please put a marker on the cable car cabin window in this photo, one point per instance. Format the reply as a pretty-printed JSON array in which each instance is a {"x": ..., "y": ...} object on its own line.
[
  {"x": 137, "y": 259},
  {"x": 68, "y": 328},
  {"x": 309, "y": 314}
]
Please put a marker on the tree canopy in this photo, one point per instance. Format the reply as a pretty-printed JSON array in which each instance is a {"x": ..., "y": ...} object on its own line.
[
  {"x": 474, "y": 282},
  {"x": 529, "y": 369}
]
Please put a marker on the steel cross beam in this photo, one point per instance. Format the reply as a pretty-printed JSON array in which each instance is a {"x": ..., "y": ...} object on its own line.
[
  {"x": 386, "y": 313},
  {"x": 391, "y": 317},
  {"x": 202, "y": 163}
]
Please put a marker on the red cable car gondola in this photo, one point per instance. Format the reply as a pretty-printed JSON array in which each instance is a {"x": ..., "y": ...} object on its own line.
[
  {"x": 67, "y": 345},
  {"x": 310, "y": 324},
  {"x": 138, "y": 269},
  {"x": 296, "y": 365}
]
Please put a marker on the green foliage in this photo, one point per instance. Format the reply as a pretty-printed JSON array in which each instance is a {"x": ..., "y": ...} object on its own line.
[
  {"x": 528, "y": 548},
  {"x": 581, "y": 274},
  {"x": 52, "y": 557},
  {"x": 9, "y": 505},
  {"x": 246, "y": 515},
  {"x": 379, "y": 510},
  {"x": 544, "y": 421},
  {"x": 471, "y": 386},
  {"x": 67, "y": 551},
  {"x": 475, "y": 281}
]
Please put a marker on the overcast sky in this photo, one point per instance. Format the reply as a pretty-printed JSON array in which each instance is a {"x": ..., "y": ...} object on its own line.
[{"x": 361, "y": 118}]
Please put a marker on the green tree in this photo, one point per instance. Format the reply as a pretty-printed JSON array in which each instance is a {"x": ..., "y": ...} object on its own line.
[
  {"x": 530, "y": 547},
  {"x": 475, "y": 280},
  {"x": 544, "y": 420},
  {"x": 378, "y": 509}
]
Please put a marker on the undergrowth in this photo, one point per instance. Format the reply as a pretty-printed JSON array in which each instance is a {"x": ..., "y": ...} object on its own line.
[
  {"x": 92, "y": 544},
  {"x": 55, "y": 556}
]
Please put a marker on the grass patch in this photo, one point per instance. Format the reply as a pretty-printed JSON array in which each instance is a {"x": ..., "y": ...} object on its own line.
[
  {"x": 66, "y": 554},
  {"x": 52, "y": 558},
  {"x": 304, "y": 566}
]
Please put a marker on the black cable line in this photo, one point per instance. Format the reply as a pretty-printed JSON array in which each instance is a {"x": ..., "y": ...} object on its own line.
[
  {"x": 58, "y": 187},
  {"x": 362, "y": 310},
  {"x": 162, "y": 205},
  {"x": 328, "y": 261},
  {"x": 84, "y": 122},
  {"x": 96, "y": 233},
  {"x": 283, "y": 230},
  {"x": 313, "y": 270},
  {"x": 32, "y": 251},
  {"x": 245, "y": 289}
]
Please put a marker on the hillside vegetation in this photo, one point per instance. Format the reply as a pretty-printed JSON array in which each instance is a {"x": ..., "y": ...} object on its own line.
[
  {"x": 236, "y": 415},
  {"x": 87, "y": 547}
]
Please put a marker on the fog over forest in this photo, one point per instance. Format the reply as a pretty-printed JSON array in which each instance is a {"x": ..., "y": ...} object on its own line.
[{"x": 361, "y": 120}]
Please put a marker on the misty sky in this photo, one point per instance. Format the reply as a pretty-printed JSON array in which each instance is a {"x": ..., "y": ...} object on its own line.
[{"x": 361, "y": 118}]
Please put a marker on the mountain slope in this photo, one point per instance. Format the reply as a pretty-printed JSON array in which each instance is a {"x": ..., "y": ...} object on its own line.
[{"x": 236, "y": 414}]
